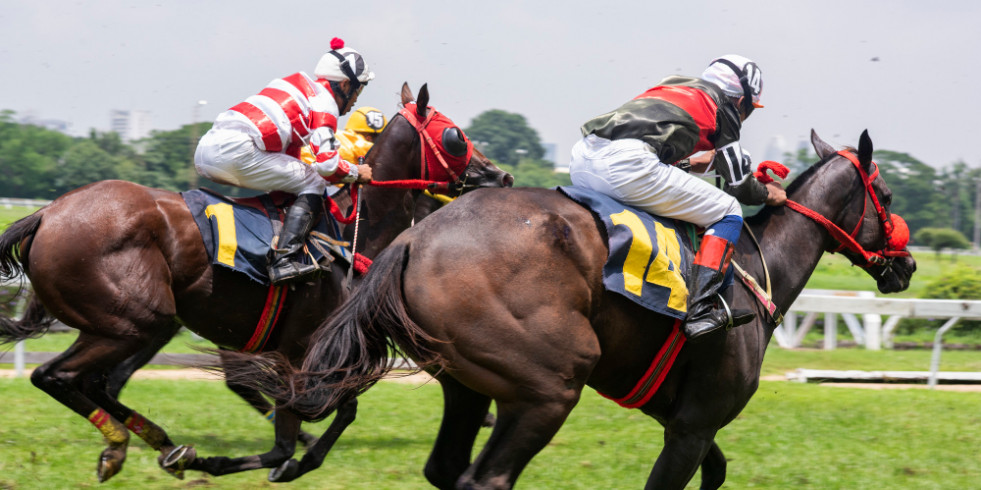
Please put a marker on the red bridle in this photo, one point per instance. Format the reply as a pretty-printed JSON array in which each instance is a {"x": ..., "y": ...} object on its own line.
[
  {"x": 431, "y": 153},
  {"x": 449, "y": 167},
  {"x": 897, "y": 234}
]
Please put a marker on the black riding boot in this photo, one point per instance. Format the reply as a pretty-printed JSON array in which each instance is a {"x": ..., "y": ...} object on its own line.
[
  {"x": 708, "y": 311},
  {"x": 300, "y": 219}
]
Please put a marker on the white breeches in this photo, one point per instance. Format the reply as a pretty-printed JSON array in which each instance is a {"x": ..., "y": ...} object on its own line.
[
  {"x": 227, "y": 156},
  {"x": 628, "y": 171}
]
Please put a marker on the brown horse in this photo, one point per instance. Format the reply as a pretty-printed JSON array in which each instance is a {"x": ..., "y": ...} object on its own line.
[
  {"x": 527, "y": 323},
  {"x": 124, "y": 264}
]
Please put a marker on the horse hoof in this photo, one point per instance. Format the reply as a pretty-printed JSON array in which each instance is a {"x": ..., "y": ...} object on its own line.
[
  {"x": 178, "y": 459},
  {"x": 286, "y": 472},
  {"x": 108, "y": 467}
]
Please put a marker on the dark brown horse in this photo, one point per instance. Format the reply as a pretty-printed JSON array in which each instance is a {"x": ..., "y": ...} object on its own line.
[
  {"x": 124, "y": 264},
  {"x": 500, "y": 294}
]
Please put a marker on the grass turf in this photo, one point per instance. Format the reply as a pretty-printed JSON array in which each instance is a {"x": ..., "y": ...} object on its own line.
[{"x": 790, "y": 435}]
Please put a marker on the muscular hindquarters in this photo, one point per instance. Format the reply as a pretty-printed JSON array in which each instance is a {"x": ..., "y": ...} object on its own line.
[{"x": 509, "y": 291}]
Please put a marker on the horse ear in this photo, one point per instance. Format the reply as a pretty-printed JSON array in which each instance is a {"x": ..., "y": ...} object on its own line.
[
  {"x": 865, "y": 150},
  {"x": 423, "y": 102},
  {"x": 407, "y": 96},
  {"x": 822, "y": 148}
]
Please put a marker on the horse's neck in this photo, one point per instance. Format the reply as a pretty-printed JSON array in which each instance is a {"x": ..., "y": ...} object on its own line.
[
  {"x": 792, "y": 246},
  {"x": 385, "y": 214}
]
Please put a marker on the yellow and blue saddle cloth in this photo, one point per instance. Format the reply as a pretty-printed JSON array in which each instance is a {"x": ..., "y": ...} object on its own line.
[
  {"x": 650, "y": 257},
  {"x": 237, "y": 232}
]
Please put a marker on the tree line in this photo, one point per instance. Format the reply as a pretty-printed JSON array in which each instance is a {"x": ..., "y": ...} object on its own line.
[{"x": 39, "y": 163}]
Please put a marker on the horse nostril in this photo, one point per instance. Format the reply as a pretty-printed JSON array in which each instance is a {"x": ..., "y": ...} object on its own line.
[{"x": 507, "y": 180}]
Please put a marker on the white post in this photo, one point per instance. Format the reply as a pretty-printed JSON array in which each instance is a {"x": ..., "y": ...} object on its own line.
[
  {"x": 830, "y": 331},
  {"x": 888, "y": 328},
  {"x": 937, "y": 348},
  {"x": 19, "y": 359}
]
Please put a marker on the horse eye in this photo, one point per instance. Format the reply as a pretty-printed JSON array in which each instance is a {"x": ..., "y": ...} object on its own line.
[{"x": 453, "y": 142}]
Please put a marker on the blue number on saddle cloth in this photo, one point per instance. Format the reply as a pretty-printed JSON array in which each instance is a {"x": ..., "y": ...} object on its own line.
[
  {"x": 648, "y": 262},
  {"x": 237, "y": 233}
]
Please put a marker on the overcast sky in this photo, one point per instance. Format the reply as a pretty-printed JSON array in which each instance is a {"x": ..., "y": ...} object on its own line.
[{"x": 907, "y": 70}]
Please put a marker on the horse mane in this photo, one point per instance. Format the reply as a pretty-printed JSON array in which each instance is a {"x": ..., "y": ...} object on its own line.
[{"x": 767, "y": 211}]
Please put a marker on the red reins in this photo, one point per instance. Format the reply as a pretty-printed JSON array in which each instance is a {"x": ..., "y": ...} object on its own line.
[{"x": 894, "y": 245}]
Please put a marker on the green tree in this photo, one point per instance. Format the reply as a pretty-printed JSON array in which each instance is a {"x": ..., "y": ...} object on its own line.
[
  {"x": 169, "y": 157},
  {"x": 914, "y": 186},
  {"x": 535, "y": 173},
  {"x": 27, "y": 154},
  {"x": 85, "y": 162},
  {"x": 941, "y": 238},
  {"x": 505, "y": 137}
]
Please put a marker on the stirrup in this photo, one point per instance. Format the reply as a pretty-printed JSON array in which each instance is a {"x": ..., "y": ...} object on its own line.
[{"x": 736, "y": 317}]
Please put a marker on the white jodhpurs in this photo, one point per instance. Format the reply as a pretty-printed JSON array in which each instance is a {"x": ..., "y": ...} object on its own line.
[
  {"x": 628, "y": 171},
  {"x": 227, "y": 156}
]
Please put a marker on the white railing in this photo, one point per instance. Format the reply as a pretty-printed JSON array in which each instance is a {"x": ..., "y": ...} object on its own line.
[
  {"x": 10, "y": 202},
  {"x": 850, "y": 304}
]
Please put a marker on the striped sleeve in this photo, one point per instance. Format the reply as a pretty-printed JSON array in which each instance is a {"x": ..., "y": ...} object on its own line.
[
  {"x": 736, "y": 167},
  {"x": 328, "y": 162}
]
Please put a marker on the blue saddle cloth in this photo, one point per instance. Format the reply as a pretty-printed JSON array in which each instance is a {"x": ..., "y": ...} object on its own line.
[
  {"x": 237, "y": 233},
  {"x": 650, "y": 257}
]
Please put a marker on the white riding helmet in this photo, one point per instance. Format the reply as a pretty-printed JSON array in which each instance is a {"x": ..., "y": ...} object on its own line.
[
  {"x": 737, "y": 76},
  {"x": 342, "y": 63}
]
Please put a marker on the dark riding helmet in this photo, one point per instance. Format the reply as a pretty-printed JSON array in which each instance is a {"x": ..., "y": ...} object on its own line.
[{"x": 737, "y": 76}]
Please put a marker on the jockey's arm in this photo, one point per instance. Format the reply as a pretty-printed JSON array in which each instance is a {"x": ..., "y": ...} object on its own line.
[
  {"x": 735, "y": 166},
  {"x": 329, "y": 163}
]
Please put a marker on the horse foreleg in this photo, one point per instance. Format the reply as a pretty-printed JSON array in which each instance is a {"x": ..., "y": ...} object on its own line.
[
  {"x": 684, "y": 450},
  {"x": 464, "y": 411},
  {"x": 287, "y": 426},
  {"x": 314, "y": 456},
  {"x": 255, "y": 399},
  {"x": 713, "y": 468}
]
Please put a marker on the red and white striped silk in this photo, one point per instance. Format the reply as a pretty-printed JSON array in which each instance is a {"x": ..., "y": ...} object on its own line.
[{"x": 287, "y": 114}]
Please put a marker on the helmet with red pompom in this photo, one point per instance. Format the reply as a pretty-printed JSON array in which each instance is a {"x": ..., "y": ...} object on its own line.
[{"x": 343, "y": 63}]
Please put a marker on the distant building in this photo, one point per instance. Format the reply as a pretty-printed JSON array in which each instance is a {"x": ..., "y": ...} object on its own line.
[
  {"x": 775, "y": 149},
  {"x": 551, "y": 156},
  {"x": 130, "y": 125},
  {"x": 52, "y": 124}
]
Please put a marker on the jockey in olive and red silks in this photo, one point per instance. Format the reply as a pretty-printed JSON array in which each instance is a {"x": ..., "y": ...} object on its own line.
[
  {"x": 639, "y": 155},
  {"x": 257, "y": 144}
]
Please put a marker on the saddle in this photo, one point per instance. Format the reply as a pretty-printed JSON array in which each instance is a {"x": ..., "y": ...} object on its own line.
[
  {"x": 238, "y": 232},
  {"x": 650, "y": 257}
]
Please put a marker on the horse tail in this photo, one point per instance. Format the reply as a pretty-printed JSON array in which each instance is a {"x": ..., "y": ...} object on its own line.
[
  {"x": 13, "y": 260},
  {"x": 350, "y": 351},
  {"x": 34, "y": 323},
  {"x": 12, "y": 255}
]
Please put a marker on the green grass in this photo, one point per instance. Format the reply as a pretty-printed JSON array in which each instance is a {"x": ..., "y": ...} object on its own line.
[
  {"x": 8, "y": 216},
  {"x": 789, "y": 436},
  {"x": 835, "y": 272}
]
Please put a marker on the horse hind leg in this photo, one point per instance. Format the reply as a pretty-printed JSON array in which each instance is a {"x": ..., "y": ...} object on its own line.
[
  {"x": 173, "y": 459},
  {"x": 119, "y": 374},
  {"x": 62, "y": 377},
  {"x": 523, "y": 428},
  {"x": 464, "y": 412},
  {"x": 713, "y": 468}
]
